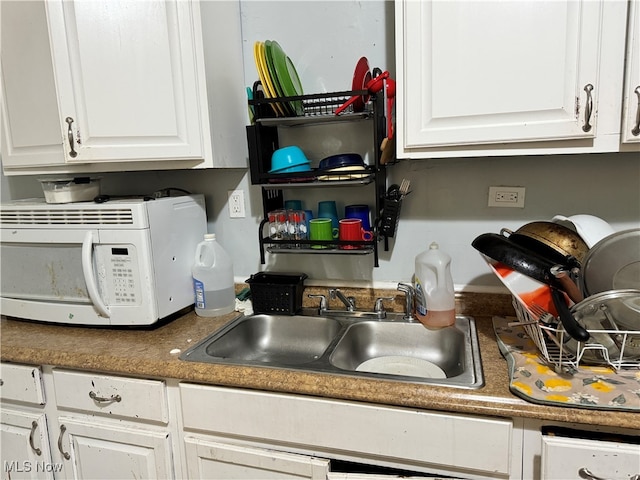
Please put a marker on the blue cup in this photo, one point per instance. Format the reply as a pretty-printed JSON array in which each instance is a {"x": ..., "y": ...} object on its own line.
[
  {"x": 359, "y": 211},
  {"x": 328, "y": 209},
  {"x": 293, "y": 204},
  {"x": 308, "y": 217}
]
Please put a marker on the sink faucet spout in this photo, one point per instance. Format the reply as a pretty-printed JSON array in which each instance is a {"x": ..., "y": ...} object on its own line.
[{"x": 349, "y": 302}]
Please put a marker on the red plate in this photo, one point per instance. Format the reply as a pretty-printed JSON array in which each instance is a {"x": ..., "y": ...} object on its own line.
[{"x": 361, "y": 76}]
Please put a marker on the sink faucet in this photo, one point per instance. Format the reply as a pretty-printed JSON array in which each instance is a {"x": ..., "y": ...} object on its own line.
[
  {"x": 349, "y": 302},
  {"x": 379, "y": 312}
]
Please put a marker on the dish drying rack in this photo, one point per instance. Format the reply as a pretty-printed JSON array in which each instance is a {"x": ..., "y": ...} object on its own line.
[{"x": 551, "y": 342}]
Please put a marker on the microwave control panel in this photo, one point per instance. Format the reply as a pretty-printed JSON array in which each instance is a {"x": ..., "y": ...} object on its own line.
[{"x": 119, "y": 275}]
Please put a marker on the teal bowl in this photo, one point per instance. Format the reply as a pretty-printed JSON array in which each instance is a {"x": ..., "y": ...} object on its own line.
[{"x": 288, "y": 160}]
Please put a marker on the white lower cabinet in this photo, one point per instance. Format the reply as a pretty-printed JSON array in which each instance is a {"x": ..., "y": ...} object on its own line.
[
  {"x": 112, "y": 427},
  {"x": 25, "y": 445},
  {"x": 399, "y": 438},
  {"x": 99, "y": 449},
  {"x": 562, "y": 451},
  {"x": 24, "y": 439},
  {"x": 62, "y": 424},
  {"x": 568, "y": 458},
  {"x": 219, "y": 461}
]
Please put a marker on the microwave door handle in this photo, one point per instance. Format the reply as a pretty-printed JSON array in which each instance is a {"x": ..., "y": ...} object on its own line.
[{"x": 87, "y": 270}]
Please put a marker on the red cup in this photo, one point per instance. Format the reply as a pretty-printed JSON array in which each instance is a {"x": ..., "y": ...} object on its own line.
[{"x": 350, "y": 230}]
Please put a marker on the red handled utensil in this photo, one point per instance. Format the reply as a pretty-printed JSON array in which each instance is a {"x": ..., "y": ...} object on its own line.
[
  {"x": 391, "y": 97},
  {"x": 373, "y": 86}
]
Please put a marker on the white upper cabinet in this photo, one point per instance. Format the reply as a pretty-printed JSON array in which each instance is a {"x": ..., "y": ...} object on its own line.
[
  {"x": 30, "y": 118},
  {"x": 130, "y": 86},
  {"x": 631, "y": 105},
  {"x": 502, "y": 78}
]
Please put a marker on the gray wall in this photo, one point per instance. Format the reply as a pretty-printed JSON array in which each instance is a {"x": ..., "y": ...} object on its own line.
[{"x": 448, "y": 203}]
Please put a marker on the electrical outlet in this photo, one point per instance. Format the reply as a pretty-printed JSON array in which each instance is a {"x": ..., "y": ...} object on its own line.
[
  {"x": 506, "y": 197},
  {"x": 236, "y": 204}
]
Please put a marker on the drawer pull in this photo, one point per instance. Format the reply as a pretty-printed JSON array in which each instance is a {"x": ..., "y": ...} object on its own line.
[
  {"x": 112, "y": 398},
  {"x": 64, "y": 454},
  {"x": 588, "y": 88},
  {"x": 34, "y": 426},
  {"x": 585, "y": 473}
]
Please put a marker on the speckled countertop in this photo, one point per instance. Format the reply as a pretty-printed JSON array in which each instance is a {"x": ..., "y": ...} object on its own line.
[{"x": 147, "y": 353}]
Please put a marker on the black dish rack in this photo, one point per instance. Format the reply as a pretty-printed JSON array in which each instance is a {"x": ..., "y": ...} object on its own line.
[
  {"x": 314, "y": 109},
  {"x": 262, "y": 137}
]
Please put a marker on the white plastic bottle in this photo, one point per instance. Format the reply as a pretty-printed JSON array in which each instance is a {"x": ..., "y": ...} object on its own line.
[
  {"x": 212, "y": 273},
  {"x": 435, "y": 296}
]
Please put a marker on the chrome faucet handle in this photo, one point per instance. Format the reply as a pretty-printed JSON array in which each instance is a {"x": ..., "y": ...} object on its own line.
[
  {"x": 379, "y": 306},
  {"x": 324, "y": 306},
  {"x": 409, "y": 293},
  {"x": 352, "y": 302}
]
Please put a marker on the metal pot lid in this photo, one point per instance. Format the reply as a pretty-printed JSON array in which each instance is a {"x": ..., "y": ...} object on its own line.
[
  {"x": 606, "y": 312},
  {"x": 615, "y": 309},
  {"x": 612, "y": 264}
]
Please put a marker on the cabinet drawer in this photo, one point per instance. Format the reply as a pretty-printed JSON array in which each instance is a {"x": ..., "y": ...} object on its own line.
[
  {"x": 111, "y": 396},
  {"x": 564, "y": 457},
  {"x": 21, "y": 383},
  {"x": 464, "y": 443}
]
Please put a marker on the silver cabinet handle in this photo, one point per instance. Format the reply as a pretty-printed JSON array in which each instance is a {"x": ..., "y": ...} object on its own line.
[
  {"x": 34, "y": 427},
  {"x": 112, "y": 398},
  {"x": 589, "y": 108},
  {"x": 635, "y": 131},
  {"x": 585, "y": 473},
  {"x": 64, "y": 454},
  {"x": 72, "y": 152}
]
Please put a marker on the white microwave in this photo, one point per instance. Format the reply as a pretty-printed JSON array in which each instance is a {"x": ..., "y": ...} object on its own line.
[{"x": 125, "y": 262}]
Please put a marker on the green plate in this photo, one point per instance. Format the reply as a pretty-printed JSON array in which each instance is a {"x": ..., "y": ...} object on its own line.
[
  {"x": 287, "y": 76},
  {"x": 289, "y": 111}
]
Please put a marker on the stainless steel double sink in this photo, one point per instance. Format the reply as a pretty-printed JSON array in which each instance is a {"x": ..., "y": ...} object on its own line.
[{"x": 391, "y": 348}]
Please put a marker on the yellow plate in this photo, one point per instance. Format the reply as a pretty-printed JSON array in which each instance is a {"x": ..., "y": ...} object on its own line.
[
  {"x": 263, "y": 73},
  {"x": 354, "y": 172}
]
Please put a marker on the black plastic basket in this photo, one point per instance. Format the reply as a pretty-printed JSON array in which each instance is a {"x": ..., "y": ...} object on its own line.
[{"x": 277, "y": 292}]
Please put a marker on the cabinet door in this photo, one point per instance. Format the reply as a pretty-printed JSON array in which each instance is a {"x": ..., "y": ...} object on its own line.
[
  {"x": 631, "y": 105},
  {"x": 30, "y": 118},
  {"x": 128, "y": 79},
  {"x": 111, "y": 451},
  {"x": 212, "y": 460},
  {"x": 581, "y": 458},
  {"x": 25, "y": 446},
  {"x": 473, "y": 73}
]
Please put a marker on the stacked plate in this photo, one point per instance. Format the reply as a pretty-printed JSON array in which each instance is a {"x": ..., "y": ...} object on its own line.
[{"x": 278, "y": 76}]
